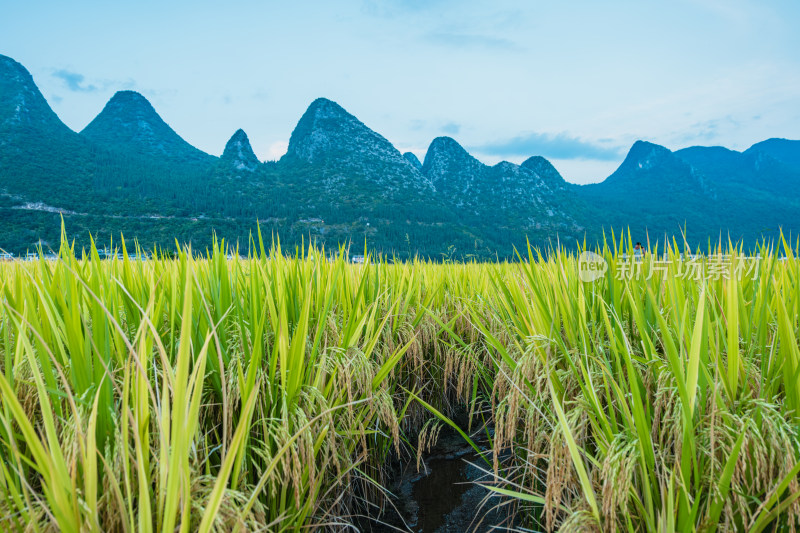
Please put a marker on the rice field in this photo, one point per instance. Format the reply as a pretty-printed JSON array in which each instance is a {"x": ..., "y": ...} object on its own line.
[{"x": 275, "y": 392}]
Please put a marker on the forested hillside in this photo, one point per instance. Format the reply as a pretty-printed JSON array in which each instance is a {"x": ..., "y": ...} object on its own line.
[{"x": 128, "y": 172}]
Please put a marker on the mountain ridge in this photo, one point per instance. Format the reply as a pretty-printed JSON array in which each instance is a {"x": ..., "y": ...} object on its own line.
[
  {"x": 21, "y": 102},
  {"x": 128, "y": 122},
  {"x": 340, "y": 181}
]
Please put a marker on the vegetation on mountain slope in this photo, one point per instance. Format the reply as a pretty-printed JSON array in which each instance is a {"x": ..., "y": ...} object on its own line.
[{"x": 128, "y": 173}]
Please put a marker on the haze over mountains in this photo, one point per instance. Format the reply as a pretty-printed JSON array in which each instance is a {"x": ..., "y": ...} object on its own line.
[{"x": 129, "y": 172}]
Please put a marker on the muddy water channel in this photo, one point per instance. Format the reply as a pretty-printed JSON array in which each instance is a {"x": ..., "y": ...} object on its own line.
[{"x": 443, "y": 495}]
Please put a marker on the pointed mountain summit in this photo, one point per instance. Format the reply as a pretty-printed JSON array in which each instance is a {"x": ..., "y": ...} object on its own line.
[
  {"x": 338, "y": 144},
  {"x": 654, "y": 189},
  {"x": 448, "y": 165},
  {"x": 239, "y": 154},
  {"x": 129, "y": 123},
  {"x": 454, "y": 171},
  {"x": 414, "y": 160},
  {"x": 504, "y": 195},
  {"x": 643, "y": 157},
  {"x": 456, "y": 175},
  {"x": 46, "y": 169},
  {"x": 22, "y": 106},
  {"x": 327, "y": 131},
  {"x": 338, "y": 170},
  {"x": 544, "y": 169},
  {"x": 41, "y": 159},
  {"x": 652, "y": 168}
]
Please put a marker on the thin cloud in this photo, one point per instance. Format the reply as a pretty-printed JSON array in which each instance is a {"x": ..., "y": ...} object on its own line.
[
  {"x": 451, "y": 128},
  {"x": 389, "y": 8},
  {"x": 561, "y": 146},
  {"x": 471, "y": 40},
  {"x": 74, "y": 81},
  {"x": 710, "y": 130}
]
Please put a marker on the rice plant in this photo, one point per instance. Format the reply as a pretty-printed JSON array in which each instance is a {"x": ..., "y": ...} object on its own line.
[
  {"x": 213, "y": 392},
  {"x": 660, "y": 402}
]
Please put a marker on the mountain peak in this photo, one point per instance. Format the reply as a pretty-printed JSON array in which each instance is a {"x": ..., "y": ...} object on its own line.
[
  {"x": 129, "y": 97},
  {"x": 413, "y": 159},
  {"x": 130, "y": 123},
  {"x": 21, "y": 102},
  {"x": 9, "y": 67},
  {"x": 326, "y": 130},
  {"x": 128, "y": 105},
  {"x": 642, "y": 147},
  {"x": 444, "y": 156},
  {"x": 239, "y": 154},
  {"x": 326, "y": 107},
  {"x": 543, "y": 168},
  {"x": 644, "y": 155},
  {"x": 446, "y": 144},
  {"x": 323, "y": 126},
  {"x": 653, "y": 172},
  {"x": 337, "y": 156}
]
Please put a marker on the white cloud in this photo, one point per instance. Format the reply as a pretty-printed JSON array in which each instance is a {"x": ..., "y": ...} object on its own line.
[{"x": 276, "y": 150}]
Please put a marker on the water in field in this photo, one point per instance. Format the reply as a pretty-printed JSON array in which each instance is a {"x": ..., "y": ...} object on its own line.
[
  {"x": 439, "y": 494},
  {"x": 443, "y": 496}
]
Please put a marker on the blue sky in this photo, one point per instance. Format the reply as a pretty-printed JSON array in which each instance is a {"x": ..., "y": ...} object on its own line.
[{"x": 577, "y": 82}]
